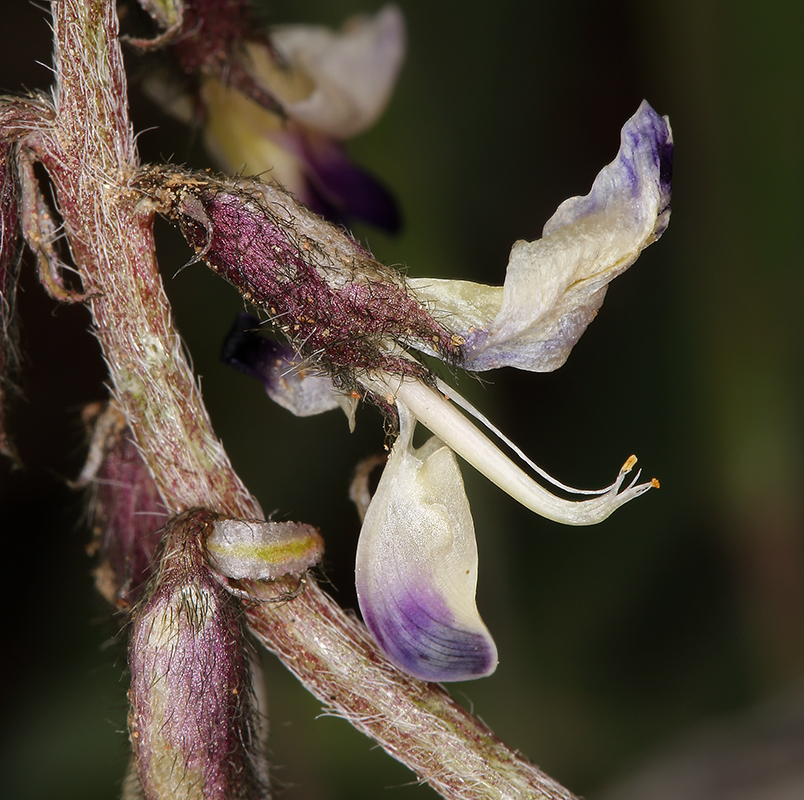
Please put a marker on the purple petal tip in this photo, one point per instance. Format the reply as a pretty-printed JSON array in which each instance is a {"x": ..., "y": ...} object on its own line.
[{"x": 416, "y": 632}]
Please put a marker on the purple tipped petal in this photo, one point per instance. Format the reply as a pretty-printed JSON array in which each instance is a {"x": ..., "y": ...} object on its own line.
[
  {"x": 416, "y": 568},
  {"x": 340, "y": 190},
  {"x": 418, "y": 632},
  {"x": 642, "y": 172},
  {"x": 554, "y": 286}
]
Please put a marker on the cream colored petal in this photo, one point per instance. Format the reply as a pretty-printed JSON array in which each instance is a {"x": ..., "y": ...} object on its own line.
[
  {"x": 555, "y": 285},
  {"x": 416, "y": 568},
  {"x": 241, "y": 135},
  {"x": 352, "y": 71}
]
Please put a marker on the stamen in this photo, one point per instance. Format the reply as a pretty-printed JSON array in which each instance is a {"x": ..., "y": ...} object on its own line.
[
  {"x": 452, "y": 394},
  {"x": 435, "y": 412}
]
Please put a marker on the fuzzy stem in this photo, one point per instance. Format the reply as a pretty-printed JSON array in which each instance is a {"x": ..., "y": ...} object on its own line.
[
  {"x": 417, "y": 723},
  {"x": 88, "y": 149}
]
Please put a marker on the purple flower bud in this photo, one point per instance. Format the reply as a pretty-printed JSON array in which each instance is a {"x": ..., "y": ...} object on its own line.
[
  {"x": 125, "y": 508},
  {"x": 9, "y": 269},
  {"x": 191, "y": 720},
  {"x": 341, "y": 310}
]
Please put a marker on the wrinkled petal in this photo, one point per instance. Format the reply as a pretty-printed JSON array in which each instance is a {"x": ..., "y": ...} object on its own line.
[
  {"x": 555, "y": 285},
  {"x": 416, "y": 568},
  {"x": 352, "y": 72}
]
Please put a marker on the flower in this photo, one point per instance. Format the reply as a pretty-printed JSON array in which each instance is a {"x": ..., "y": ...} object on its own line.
[
  {"x": 416, "y": 557},
  {"x": 351, "y": 324},
  {"x": 331, "y": 87},
  {"x": 282, "y": 103},
  {"x": 554, "y": 286}
]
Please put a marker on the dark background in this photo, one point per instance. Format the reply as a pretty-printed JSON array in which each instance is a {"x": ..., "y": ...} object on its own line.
[{"x": 685, "y": 606}]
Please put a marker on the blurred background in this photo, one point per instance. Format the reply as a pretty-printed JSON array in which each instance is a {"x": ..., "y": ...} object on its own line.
[{"x": 660, "y": 654}]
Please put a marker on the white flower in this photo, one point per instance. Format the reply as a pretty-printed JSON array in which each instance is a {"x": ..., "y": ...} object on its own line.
[
  {"x": 330, "y": 86},
  {"x": 417, "y": 559}
]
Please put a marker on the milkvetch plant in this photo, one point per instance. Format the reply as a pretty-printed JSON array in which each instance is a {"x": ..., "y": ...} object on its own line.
[{"x": 183, "y": 549}]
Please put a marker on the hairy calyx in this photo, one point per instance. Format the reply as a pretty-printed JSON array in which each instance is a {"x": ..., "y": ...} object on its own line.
[{"x": 341, "y": 310}]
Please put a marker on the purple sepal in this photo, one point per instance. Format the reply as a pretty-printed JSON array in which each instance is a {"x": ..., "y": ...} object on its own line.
[{"x": 341, "y": 310}]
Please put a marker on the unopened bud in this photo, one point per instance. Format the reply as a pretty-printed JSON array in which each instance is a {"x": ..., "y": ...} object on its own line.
[
  {"x": 192, "y": 724},
  {"x": 125, "y": 508}
]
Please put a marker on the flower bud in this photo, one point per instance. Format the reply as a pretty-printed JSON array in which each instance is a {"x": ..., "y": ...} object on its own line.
[
  {"x": 262, "y": 550},
  {"x": 191, "y": 720},
  {"x": 125, "y": 508}
]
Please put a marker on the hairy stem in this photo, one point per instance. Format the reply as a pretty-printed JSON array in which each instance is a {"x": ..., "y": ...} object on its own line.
[{"x": 87, "y": 146}]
